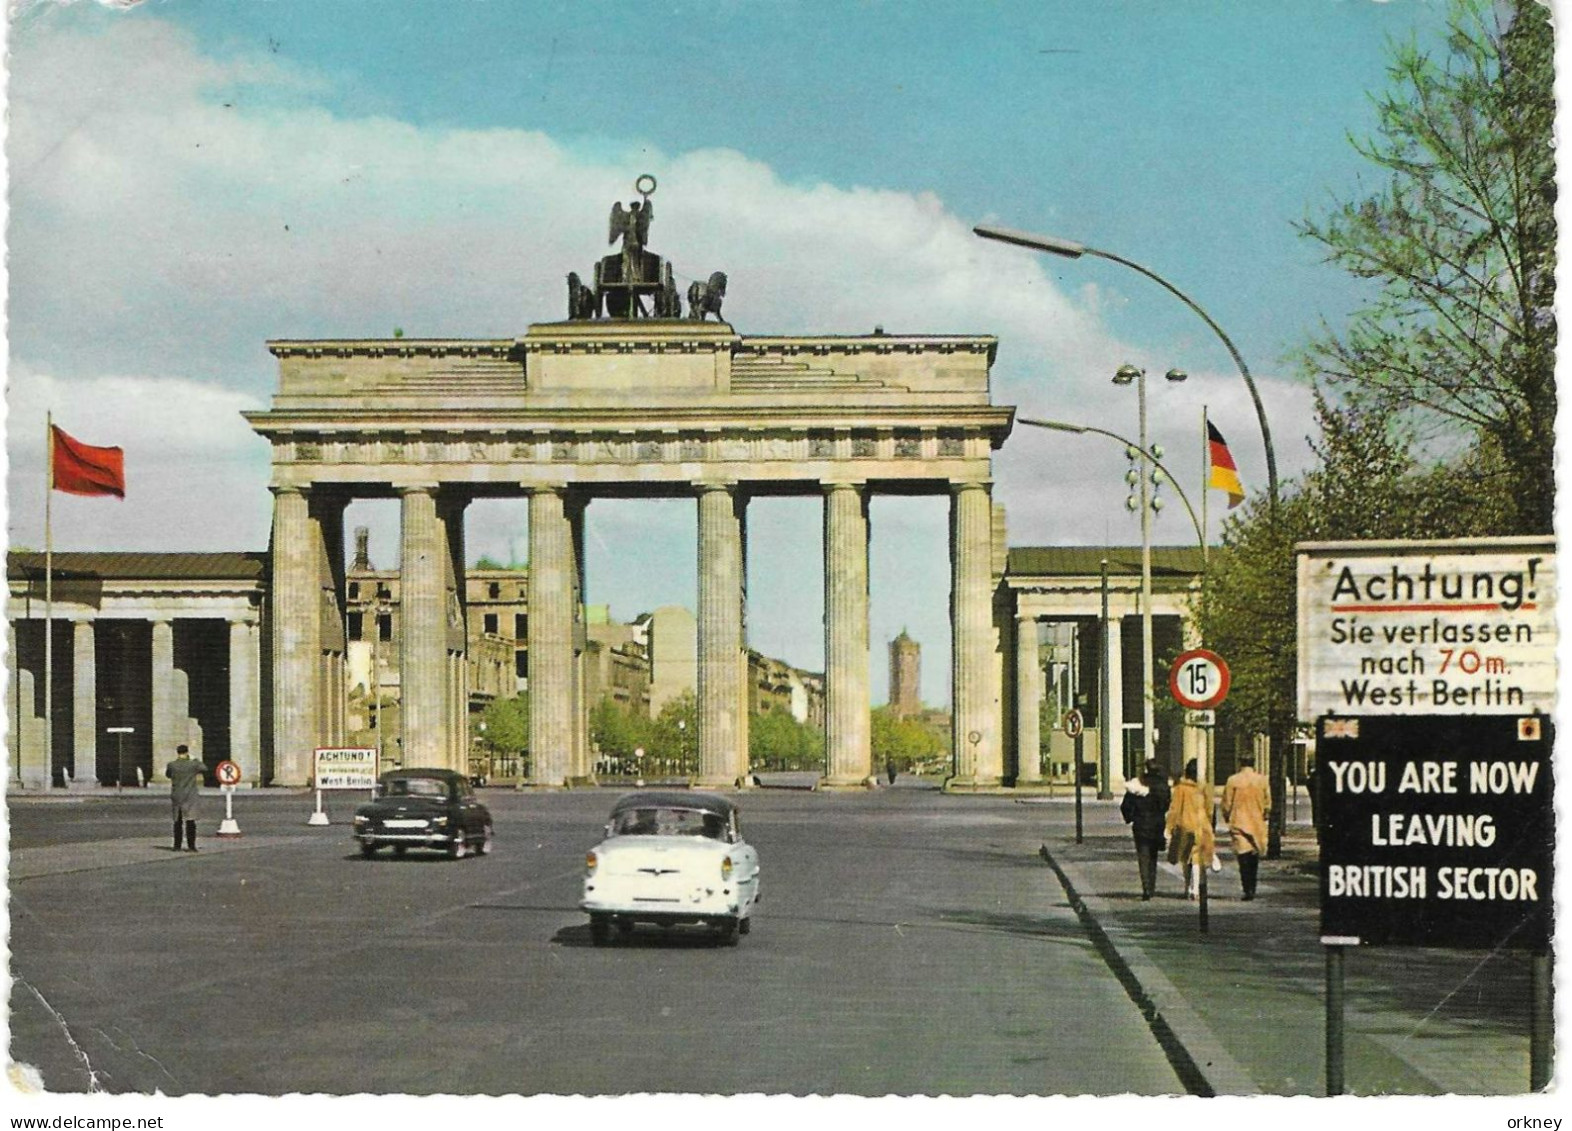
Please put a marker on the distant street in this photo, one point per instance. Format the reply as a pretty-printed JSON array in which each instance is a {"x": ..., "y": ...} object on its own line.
[{"x": 906, "y": 943}]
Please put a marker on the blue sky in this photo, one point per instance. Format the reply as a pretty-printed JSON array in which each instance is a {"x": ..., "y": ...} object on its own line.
[{"x": 190, "y": 178}]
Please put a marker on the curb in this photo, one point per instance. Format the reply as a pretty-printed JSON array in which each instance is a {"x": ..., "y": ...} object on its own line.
[{"x": 1203, "y": 1065}]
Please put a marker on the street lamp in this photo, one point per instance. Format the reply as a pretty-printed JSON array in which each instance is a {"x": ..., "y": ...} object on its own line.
[
  {"x": 1072, "y": 250},
  {"x": 1127, "y": 375},
  {"x": 1081, "y": 429}
]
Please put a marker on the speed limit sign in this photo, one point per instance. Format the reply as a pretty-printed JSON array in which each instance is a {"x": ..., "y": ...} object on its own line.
[
  {"x": 227, "y": 773},
  {"x": 1199, "y": 679}
]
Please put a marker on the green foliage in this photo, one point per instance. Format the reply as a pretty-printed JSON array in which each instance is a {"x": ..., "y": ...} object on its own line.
[
  {"x": 507, "y": 725},
  {"x": 1459, "y": 242},
  {"x": 904, "y": 741},
  {"x": 674, "y": 733},
  {"x": 776, "y": 741}
]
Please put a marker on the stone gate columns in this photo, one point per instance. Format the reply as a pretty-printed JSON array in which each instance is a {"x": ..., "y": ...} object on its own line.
[
  {"x": 84, "y": 703},
  {"x": 245, "y": 712},
  {"x": 723, "y": 724},
  {"x": 551, "y": 629},
  {"x": 1113, "y": 704},
  {"x": 455, "y": 667},
  {"x": 974, "y": 732},
  {"x": 327, "y": 530},
  {"x": 166, "y": 734},
  {"x": 1028, "y": 704},
  {"x": 846, "y": 690},
  {"x": 423, "y": 644},
  {"x": 297, "y": 637}
]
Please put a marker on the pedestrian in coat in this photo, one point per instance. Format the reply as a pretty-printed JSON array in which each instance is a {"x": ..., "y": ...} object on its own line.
[
  {"x": 185, "y": 791},
  {"x": 1247, "y": 799},
  {"x": 1189, "y": 828},
  {"x": 1144, "y": 807}
]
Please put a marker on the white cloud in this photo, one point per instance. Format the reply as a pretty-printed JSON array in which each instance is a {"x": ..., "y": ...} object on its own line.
[{"x": 171, "y": 212}]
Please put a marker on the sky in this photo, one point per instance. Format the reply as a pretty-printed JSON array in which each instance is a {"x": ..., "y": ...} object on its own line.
[{"x": 190, "y": 178}]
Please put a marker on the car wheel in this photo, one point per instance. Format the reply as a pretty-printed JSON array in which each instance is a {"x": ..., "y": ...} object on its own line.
[
  {"x": 458, "y": 847},
  {"x": 625, "y": 928},
  {"x": 600, "y": 930},
  {"x": 745, "y": 926},
  {"x": 726, "y": 932},
  {"x": 367, "y": 849},
  {"x": 484, "y": 847}
]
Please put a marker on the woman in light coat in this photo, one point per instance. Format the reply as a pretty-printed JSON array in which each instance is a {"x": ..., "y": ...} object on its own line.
[
  {"x": 1247, "y": 799},
  {"x": 1189, "y": 828}
]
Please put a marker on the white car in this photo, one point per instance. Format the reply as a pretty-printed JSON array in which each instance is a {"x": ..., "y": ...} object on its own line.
[{"x": 671, "y": 858}]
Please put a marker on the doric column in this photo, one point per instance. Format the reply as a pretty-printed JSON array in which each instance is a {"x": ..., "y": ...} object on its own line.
[
  {"x": 245, "y": 748},
  {"x": 423, "y": 650},
  {"x": 846, "y": 690},
  {"x": 297, "y": 637},
  {"x": 168, "y": 731},
  {"x": 1113, "y": 703},
  {"x": 551, "y": 624},
  {"x": 723, "y": 751},
  {"x": 450, "y": 517},
  {"x": 84, "y": 703},
  {"x": 580, "y": 771},
  {"x": 1028, "y": 703},
  {"x": 974, "y": 730}
]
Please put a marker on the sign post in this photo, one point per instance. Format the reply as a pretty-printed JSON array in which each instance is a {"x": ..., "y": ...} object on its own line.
[
  {"x": 120, "y": 753},
  {"x": 1199, "y": 681},
  {"x": 1075, "y": 727},
  {"x": 228, "y": 774},
  {"x": 1430, "y": 670},
  {"x": 342, "y": 767}
]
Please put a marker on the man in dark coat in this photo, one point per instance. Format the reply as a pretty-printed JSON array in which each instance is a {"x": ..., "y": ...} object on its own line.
[
  {"x": 185, "y": 790},
  {"x": 1145, "y": 810}
]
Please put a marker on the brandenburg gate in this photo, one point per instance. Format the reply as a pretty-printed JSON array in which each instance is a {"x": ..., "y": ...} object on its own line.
[{"x": 621, "y": 401}]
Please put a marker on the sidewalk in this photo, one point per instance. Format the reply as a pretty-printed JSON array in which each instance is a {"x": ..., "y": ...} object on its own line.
[{"x": 1241, "y": 1008}]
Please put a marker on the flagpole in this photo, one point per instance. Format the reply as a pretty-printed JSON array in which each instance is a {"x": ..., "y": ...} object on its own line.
[
  {"x": 1206, "y": 481},
  {"x": 49, "y": 601}
]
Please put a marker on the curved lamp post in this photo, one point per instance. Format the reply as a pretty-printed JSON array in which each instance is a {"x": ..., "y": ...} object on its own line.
[
  {"x": 1072, "y": 250},
  {"x": 1063, "y": 426}
]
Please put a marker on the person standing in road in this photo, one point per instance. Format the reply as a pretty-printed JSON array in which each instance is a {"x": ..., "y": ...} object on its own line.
[
  {"x": 1143, "y": 808},
  {"x": 185, "y": 789},
  {"x": 1190, "y": 828},
  {"x": 1247, "y": 799}
]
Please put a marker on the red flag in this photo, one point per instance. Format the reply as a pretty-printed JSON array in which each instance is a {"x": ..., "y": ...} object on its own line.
[
  {"x": 81, "y": 469},
  {"x": 1225, "y": 475}
]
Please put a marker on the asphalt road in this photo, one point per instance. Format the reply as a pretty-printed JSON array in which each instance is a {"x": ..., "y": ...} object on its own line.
[{"x": 907, "y": 943}]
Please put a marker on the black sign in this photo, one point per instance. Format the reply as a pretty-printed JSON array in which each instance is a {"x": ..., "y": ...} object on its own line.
[{"x": 1436, "y": 830}]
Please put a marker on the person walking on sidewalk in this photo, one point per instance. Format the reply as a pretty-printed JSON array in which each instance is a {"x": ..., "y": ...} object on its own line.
[
  {"x": 1247, "y": 799},
  {"x": 1189, "y": 827},
  {"x": 1144, "y": 807},
  {"x": 185, "y": 791}
]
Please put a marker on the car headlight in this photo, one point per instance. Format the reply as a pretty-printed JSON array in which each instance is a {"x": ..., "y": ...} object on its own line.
[
  {"x": 439, "y": 821},
  {"x": 361, "y": 818},
  {"x": 726, "y": 868},
  {"x": 591, "y": 862}
]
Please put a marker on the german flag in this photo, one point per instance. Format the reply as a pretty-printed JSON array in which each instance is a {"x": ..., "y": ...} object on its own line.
[{"x": 1225, "y": 473}]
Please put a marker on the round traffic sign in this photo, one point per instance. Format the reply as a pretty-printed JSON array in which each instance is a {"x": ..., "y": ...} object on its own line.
[
  {"x": 1199, "y": 679},
  {"x": 1073, "y": 723},
  {"x": 227, "y": 773}
]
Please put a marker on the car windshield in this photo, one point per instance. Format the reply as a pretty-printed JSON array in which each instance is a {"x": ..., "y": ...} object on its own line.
[
  {"x": 415, "y": 787},
  {"x": 661, "y": 821}
]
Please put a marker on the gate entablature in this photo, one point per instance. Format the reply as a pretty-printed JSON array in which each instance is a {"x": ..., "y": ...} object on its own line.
[{"x": 606, "y": 403}]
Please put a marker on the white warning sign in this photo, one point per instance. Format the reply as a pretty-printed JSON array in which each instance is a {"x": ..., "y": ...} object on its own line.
[{"x": 1415, "y": 628}]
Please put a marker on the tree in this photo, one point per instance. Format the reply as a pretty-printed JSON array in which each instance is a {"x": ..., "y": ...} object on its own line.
[
  {"x": 507, "y": 725},
  {"x": 1460, "y": 242},
  {"x": 779, "y": 742},
  {"x": 905, "y": 742}
]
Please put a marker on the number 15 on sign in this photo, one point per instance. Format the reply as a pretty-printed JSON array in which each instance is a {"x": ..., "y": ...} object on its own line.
[{"x": 1198, "y": 679}]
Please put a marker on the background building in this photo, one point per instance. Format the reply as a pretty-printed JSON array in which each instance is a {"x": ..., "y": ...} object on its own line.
[{"x": 905, "y": 676}]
